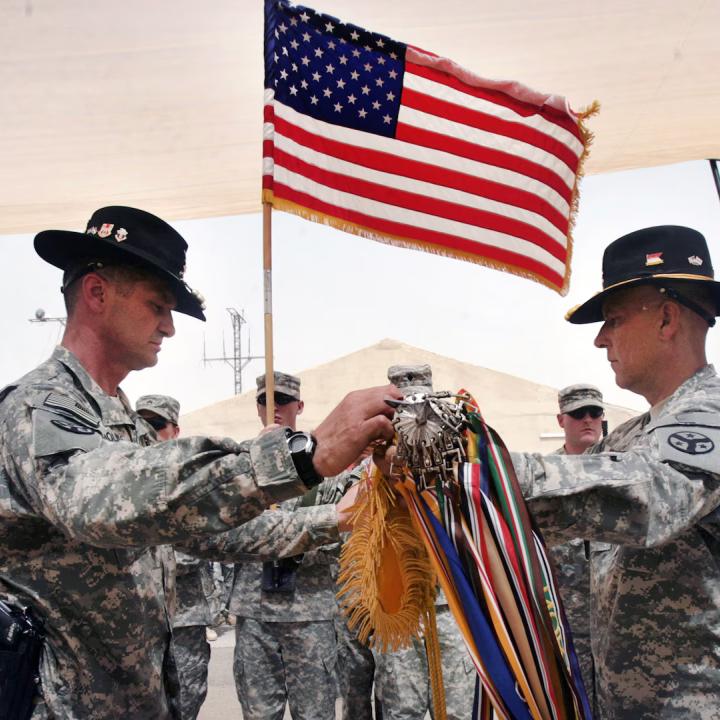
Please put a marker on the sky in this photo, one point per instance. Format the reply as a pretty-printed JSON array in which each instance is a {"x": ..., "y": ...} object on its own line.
[{"x": 335, "y": 293}]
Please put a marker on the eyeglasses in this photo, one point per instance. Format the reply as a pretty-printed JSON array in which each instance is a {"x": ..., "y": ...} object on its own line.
[
  {"x": 280, "y": 399},
  {"x": 156, "y": 422},
  {"x": 591, "y": 410}
]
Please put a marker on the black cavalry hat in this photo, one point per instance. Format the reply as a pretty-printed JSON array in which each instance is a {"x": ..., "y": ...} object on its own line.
[
  {"x": 117, "y": 235},
  {"x": 654, "y": 255}
]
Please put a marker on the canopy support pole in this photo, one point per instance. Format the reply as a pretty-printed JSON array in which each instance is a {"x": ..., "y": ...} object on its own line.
[{"x": 716, "y": 175}]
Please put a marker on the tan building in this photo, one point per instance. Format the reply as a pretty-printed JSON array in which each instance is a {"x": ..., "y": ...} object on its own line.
[{"x": 522, "y": 411}]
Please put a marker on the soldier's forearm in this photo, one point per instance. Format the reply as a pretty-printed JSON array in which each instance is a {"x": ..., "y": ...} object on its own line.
[
  {"x": 167, "y": 493},
  {"x": 274, "y": 534},
  {"x": 626, "y": 498}
]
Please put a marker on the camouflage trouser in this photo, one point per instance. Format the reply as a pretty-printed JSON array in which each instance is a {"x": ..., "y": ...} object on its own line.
[
  {"x": 192, "y": 655},
  {"x": 356, "y": 666},
  {"x": 279, "y": 661},
  {"x": 401, "y": 677}
]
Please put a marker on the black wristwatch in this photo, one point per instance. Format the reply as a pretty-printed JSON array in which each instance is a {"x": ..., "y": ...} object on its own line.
[{"x": 302, "y": 448}]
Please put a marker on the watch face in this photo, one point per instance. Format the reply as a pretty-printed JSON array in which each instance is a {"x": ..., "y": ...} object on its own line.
[{"x": 298, "y": 442}]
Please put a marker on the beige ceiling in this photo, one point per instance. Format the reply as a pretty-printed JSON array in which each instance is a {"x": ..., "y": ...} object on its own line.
[
  {"x": 523, "y": 412},
  {"x": 158, "y": 103}
]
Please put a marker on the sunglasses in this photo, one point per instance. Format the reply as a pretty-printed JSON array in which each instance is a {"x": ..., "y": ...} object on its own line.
[
  {"x": 580, "y": 413},
  {"x": 280, "y": 399},
  {"x": 156, "y": 422}
]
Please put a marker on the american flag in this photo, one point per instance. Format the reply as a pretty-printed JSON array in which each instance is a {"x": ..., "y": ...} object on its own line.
[{"x": 391, "y": 142}]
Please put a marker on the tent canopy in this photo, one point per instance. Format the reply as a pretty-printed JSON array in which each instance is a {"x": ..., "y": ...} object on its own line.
[{"x": 159, "y": 104}]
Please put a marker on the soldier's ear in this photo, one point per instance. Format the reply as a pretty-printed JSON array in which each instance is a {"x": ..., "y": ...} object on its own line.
[
  {"x": 670, "y": 318},
  {"x": 301, "y": 405},
  {"x": 93, "y": 291}
]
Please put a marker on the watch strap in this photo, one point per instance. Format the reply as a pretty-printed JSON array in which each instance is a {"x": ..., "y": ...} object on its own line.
[{"x": 303, "y": 459}]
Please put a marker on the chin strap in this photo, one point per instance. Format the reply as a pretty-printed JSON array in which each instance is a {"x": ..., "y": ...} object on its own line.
[
  {"x": 688, "y": 303},
  {"x": 69, "y": 277}
]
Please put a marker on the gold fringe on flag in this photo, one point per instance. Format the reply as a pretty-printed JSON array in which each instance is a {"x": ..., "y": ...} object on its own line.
[
  {"x": 352, "y": 228},
  {"x": 586, "y": 137}
]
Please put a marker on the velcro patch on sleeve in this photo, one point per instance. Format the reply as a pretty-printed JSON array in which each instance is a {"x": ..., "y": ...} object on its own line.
[
  {"x": 693, "y": 444},
  {"x": 55, "y": 434},
  {"x": 70, "y": 407}
]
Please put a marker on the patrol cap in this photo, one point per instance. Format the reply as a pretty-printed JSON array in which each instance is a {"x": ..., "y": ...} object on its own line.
[
  {"x": 653, "y": 255},
  {"x": 411, "y": 379},
  {"x": 577, "y": 396},
  {"x": 286, "y": 384},
  {"x": 123, "y": 235},
  {"x": 163, "y": 405}
]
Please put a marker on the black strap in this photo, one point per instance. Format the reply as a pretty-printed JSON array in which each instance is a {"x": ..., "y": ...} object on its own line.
[{"x": 688, "y": 303}]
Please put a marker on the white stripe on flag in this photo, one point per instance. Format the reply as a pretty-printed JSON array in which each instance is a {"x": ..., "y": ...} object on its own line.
[
  {"x": 425, "y": 189},
  {"x": 470, "y": 102},
  {"x": 414, "y": 218},
  {"x": 482, "y": 138},
  {"x": 409, "y": 151}
]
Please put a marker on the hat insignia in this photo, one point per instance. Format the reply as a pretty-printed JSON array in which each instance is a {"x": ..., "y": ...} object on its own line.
[
  {"x": 105, "y": 230},
  {"x": 121, "y": 234},
  {"x": 91, "y": 230},
  {"x": 653, "y": 259},
  {"x": 695, "y": 260},
  {"x": 199, "y": 297}
]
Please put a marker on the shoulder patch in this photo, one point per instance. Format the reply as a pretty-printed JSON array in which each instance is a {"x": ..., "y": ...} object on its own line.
[
  {"x": 70, "y": 406},
  {"x": 55, "y": 435},
  {"x": 691, "y": 442},
  {"x": 694, "y": 445}
]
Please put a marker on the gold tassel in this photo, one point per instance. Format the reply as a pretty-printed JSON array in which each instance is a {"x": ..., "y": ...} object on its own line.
[
  {"x": 387, "y": 583},
  {"x": 434, "y": 658}
]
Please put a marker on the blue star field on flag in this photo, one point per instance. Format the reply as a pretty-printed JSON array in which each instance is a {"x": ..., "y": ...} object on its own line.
[{"x": 332, "y": 71}]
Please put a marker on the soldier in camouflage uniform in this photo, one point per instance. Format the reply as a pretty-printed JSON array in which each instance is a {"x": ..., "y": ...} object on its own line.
[
  {"x": 356, "y": 668},
  {"x": 285, "y": 645},
  {"x": 402, "y": 684},
  {"x": 581, "y": 412},
  {"x": 647, "y": 496},
  {"x": 192, "y": 612},
  {"x": 85, "y": 495}
]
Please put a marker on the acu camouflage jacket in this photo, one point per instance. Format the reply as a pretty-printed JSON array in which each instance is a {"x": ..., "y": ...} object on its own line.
[
  {"x": 81, "y": 507},
  {"x": 648, "y": 497}
]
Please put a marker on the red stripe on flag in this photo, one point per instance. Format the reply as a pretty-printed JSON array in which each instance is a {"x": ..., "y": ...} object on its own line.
[
  {"x": 421, "y": 203},
  {"x": 423, "y": 235},
  {"x": 490, "y": 123},
  {"x": 417, "y": 170},
  {"x": 497, "y": 97},
  {"x": 463, "y": 148}
]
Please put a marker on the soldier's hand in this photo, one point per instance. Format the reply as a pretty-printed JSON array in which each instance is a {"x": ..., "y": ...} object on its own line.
[
  {"x": 361, "y": 417},
  {"x": 269, "y": 428},
  {"x": 384, "y": 457},
  {"x": 346, "y": 507}
]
